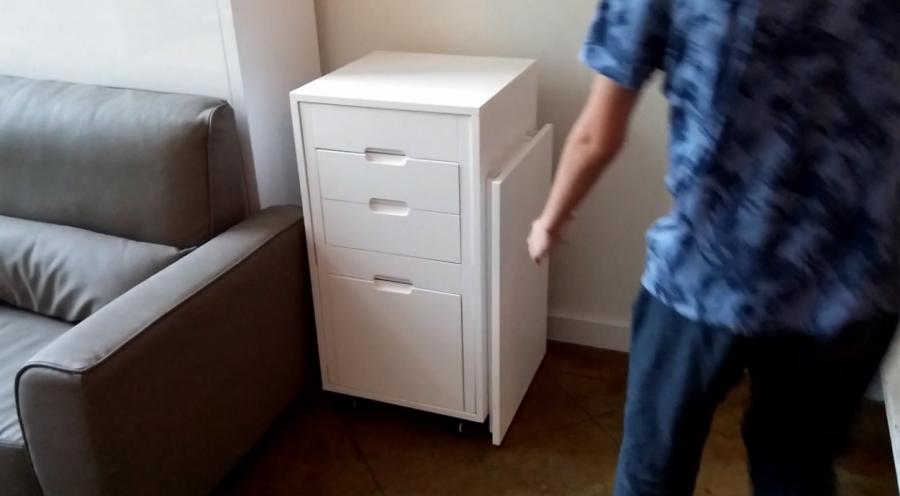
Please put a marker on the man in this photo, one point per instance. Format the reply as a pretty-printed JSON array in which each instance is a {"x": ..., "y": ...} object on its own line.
[{"x": 781, "y": 255}]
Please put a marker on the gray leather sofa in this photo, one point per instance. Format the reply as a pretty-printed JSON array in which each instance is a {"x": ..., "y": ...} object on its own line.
[{"x": 150, "y": 330}]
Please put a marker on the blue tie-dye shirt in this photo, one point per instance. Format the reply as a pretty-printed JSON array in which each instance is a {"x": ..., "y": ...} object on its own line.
[{"x": 784, "y": 155}]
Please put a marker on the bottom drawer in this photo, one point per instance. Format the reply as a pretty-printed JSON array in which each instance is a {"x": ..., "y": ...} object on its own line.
[{"x": 391, "y": 339}]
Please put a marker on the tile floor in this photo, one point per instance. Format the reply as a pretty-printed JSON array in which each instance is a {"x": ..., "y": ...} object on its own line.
[{"x": 563, "y": 443}]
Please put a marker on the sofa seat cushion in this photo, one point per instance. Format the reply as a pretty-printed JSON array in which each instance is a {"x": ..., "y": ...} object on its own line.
[
  {"x": 22, "y": 334},
  {"x": 69, "y": 273}
]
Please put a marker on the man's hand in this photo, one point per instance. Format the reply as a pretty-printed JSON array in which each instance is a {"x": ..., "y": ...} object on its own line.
[
  {"x": 540, "y": 241},
  {"x": 543, "y": 237}
]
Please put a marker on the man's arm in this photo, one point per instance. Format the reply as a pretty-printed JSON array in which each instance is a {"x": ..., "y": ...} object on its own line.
[{"x": 593, "y": 143}]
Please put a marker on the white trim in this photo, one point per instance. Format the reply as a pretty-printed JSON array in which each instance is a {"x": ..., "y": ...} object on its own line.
[{"x": 594, "y": 333}]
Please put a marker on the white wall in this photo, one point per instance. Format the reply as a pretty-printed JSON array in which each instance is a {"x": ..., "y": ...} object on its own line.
[
  {"x": 250, "y": 52},
  {"x": 594, "y": 276},
  {"x": 275, "y": 50},
  {"x": 165, "y": 45}
]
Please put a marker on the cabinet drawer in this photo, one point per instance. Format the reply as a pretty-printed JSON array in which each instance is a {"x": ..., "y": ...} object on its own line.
[
  {"x": 444, "y": 277},
  {"x": 390, "y": 227},
  {"x": 396, "y": 340},
  {"x": 360, "y": 177},
  {"x": 414, "y": 134}
]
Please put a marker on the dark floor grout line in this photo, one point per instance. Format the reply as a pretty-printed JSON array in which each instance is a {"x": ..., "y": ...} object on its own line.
[
  {"x": 567, "y": 425},
  {"x": 571, "y": 398},
  {"x": 362, "y": 456},
  {"x": 592, "y": 416},
  {"x": 369, "y": 468},
  {"x": 596, "y": 420},
  {"x": 576, "y": 374},
  {"x": 575, "y": 400},
  {"x": 552, "y": 431},
  {"x": 604, "y": 413}
]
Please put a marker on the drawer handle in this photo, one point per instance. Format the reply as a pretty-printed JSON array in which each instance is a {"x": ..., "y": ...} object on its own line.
[
  {"x": 393, "y": 285},
  {"x": 383, "y": 156},
  {"x": 388, "y": 207}
]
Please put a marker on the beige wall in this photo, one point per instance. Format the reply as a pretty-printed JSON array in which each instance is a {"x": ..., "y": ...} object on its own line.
[{"x": 595, "y": 275}]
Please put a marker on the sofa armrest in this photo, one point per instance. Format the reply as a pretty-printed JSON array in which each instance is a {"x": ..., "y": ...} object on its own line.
[{"x": 162, "y": 390}]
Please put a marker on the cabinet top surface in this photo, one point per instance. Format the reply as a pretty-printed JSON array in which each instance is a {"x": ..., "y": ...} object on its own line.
[{"x": 416, "y": 81}]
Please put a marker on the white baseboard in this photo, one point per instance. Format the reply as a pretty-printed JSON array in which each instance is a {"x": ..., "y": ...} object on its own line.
[{"x": 605, "y": 335}]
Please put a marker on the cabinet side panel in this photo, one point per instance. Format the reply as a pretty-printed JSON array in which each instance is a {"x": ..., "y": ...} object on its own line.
[
  {"x": 312, "y": 219},
  {"x": 507, "y": 121},
  {"x": 499, "y": 131},
  {"x": 471, "y": 213}
]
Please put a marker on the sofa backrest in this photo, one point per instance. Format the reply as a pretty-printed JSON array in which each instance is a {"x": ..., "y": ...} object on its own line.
[{"x": 155, "y": 167}]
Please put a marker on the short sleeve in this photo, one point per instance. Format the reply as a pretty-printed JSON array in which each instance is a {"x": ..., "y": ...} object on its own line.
[{"x": 627, "y": 40}]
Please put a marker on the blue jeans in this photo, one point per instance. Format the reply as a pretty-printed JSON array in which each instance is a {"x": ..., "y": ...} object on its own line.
[{"x": 805, "y": 393}]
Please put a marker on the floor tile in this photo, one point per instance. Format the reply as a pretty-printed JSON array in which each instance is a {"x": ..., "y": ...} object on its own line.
[
  {"x": 310, "y": 452},
  {"x": 730, "y": 414},
  {"x": 547, "y": 405},
  {"x": 852, "y": 484},
  {"x": 585, "y": 361},
  {"x": 596, "y": 395},
  {"x": 612, "y": 423},
  {"x": 564, "y": 441},
  {"x": 723, "y": 471},
  {"x": 868, "y": 469},
  {"x": 401, "y": 444},
  {"x": 577, "y": 459}
]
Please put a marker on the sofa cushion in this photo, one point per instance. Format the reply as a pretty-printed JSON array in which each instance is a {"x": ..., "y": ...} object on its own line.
[
  {"x": 70, "y": 273},
  {"x": 22, "y": 334},
  {"x": 156, "y": 167}
]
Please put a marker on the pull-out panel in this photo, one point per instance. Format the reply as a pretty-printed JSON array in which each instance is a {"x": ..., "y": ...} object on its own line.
[
  {"x": 518, "y": 334},
  {"x": 394, "y": 341},
  {"x": 359, "y": 177},
  {"x": 390, "y": 226},
  {"x": 414, "y": 134}
]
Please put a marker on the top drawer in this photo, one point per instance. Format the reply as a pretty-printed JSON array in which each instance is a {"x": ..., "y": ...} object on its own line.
[{"x": 356, "y": 129}]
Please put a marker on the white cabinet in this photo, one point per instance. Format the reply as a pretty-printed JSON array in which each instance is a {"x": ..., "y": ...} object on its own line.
[{"x": 421, "y": 176}]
